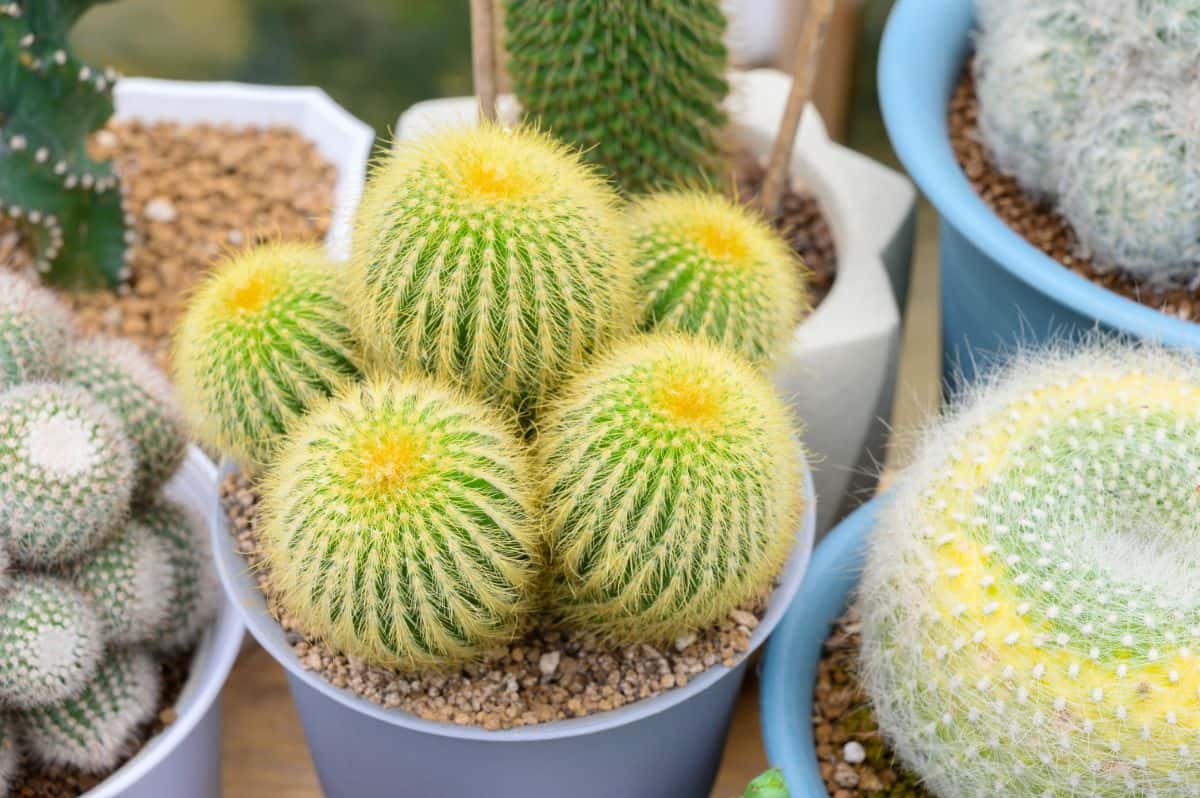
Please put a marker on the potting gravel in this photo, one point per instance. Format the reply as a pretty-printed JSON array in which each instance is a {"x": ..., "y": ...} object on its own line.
[
  {"x": 1037, "y": 221},
  {"x": 195, "y": 192},
  {"x": 546, "y": 675},
  {"x": 33, "y": 782}
]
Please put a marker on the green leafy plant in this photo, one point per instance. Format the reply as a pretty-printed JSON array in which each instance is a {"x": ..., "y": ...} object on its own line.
[{"x": 49, "y": 102}]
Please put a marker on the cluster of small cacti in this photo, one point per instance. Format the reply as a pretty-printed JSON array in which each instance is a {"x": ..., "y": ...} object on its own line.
[
  {"x": 1092, "y": 105},
  {"x": 1031, "y": 625},
  {"x": 50, "y": 102},
  {"x": 99, "y": 573},
  {"x": 494, "y": 425}
]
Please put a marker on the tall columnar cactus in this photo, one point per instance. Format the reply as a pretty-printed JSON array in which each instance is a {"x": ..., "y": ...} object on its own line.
[
  {"x": 672, "y": 489},
  {"x": 68, "y": 473},
  {"x": 263, "y": 339},
  {"x": 638, "y": 85},
  {"x": 708, "y": 266},
  {"x": 119, "y": 376},
  {"x": 399, "y": 525},
  {"x": 190, "y": 589},
  {"x": 35, "y": 332},
  {"x": 493, "y": 258},
  {"x": 49, "y": 102},
  {"x": 1031, "y": 622}
]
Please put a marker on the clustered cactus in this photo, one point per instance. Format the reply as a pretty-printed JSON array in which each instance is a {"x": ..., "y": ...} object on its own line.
[
  {"x": 1031, "y": 625},
  {"x": 511, "y": 432},
  {"x": 100, "y": 574},
  {"x": 1092, "y": 105},
  {"x": 50, "y": 102}
]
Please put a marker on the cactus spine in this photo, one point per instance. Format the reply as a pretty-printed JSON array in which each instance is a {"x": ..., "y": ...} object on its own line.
[
  {"x": 35, "y": 331},
  {"x": 190, "y": 588},
  {"x": 262, "y": 340},
  {"x": 708, "y": 266},
  {"x": 492, "y": 258},
  {"x": 637, "y": 85},
  {"x": 1030, "y": 617},
  {"x": 124, "y": 581},
  {"x": 398, "y": 525},
  {"x": 672, "y": 489}
]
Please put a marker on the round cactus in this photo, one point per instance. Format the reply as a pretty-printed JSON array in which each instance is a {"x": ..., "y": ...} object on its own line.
[
  {"x": 50, "y": 642},
  {"x": 1132, "y": 183},
  {"x": 190, "y": 587},
  {"x": 708, "y": 266},
  {"x": 128, "y": 581},
  {"x": 8, "y": 754},
  {"x": 93, "y": 730},
  {"x": 66, "y": 473},
  {"x": 398, "y": 526},
  {"x": 117, "y": 374},
  {"x": 492, "y": 258},
  {"x": 35, "y": 331},
  {"x": 672, "y": 489},
  {"x": 263, "y": 339},
  {"x": 1031, "y": 624},
  {"x": 1171, "y": 28}
]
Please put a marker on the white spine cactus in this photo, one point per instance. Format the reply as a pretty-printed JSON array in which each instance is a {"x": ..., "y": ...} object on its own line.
[
  {"x": 93, "y": 730},
  {"x": 35, "y": 331},
  {"x": 1172, "y": 28},
  {"x": 129, "y": 582},
  {"x": 190, "y": 588},
  {"x": 1031, "y": 607},
  {"x": 50, "y": 642},
  {"x": 66, "y": 473}
]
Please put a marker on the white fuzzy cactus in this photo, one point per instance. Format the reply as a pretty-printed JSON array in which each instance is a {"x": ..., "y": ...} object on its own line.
[
  {"x": 191, "y": 585},
  {"x": 1171, "y": 28},
  {"x": 35, "y": 331},
  {"x": 128, "y": 581},
  {"x": 1031, "y": 602}
]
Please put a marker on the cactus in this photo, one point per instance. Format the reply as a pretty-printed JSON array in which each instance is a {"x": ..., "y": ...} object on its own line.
[
  {"x": 8, "y": 755},
  {"x": 49, "y": 642},
  {"x": 768, "y": 785},
  {"x": 1171, "y": 27},
  {"x": 1030, "y": 618},
  {"x": 707, "y": 265},
  {"x": 49, "y": 102},
  {"x": 128, "y": 581},
  {"x": 637, "y": 85},
  {"x": 492, "y": 258},
  {"x": 1131, "y": 186},
  {"x": 261, "y": 341},
  {"x": 118, "y": 375},
  {"x": 35, "y": 331},
  {"x": 672, "y": 489},
  {"x": 67, "y": 473},
  {"x": 191, "y": 588},
  {"x": 95, "y": 729},
  {"x": 398, "y": 526}
]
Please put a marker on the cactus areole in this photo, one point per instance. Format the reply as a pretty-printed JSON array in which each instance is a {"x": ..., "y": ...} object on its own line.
[{"x": 50, "y": 102}]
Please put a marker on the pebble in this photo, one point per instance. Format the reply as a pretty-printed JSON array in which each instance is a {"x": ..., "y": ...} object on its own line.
[
  {"x": 160, "y": 209},
  {"x": 854, "y": 753},
  {"x": 548, "y": 663}
]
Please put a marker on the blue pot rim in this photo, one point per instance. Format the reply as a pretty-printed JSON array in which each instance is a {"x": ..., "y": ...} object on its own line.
[{"x": 920, "y": 38}]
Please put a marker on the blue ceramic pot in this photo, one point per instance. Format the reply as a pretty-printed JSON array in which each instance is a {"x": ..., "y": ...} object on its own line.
[
  {"x": 789, "y": 673},
  {"x": 998, "y": 290}
]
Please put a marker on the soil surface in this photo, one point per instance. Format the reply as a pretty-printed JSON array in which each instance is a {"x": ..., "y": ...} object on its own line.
[{"x": 1038, "y": 222}]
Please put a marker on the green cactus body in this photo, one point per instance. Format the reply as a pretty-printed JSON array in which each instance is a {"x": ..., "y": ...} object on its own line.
[
  {"x": 50, "y": 102},
  {"x": 35, "y": 331},
  {"x": 50, "y": 642},
  {"x": 708, "y": 266},
  {"x": 637, "y": 85},
  {"x": 399, "y": 527},
  {"x": 66, "y": 473},
  {"x": 768, "y": 785},
  {"x": 1031, "y": 617},
  {"x": 8, "y": 754},
  {"x": 190, "y": 588},
  {"x": 491, "y": 258},
  {"x": 127, "y": 581},
  {"x": 262, "y": 340},
  {"x": 119, "y": 376},
  {"x": 672, "y": 489},
  {"x": 94, "y": 729}
]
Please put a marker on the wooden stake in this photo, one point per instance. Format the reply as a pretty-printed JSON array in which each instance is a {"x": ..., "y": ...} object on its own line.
[
  {"x": 483, "y": 53},
  {"x": 808, "y": 55}
]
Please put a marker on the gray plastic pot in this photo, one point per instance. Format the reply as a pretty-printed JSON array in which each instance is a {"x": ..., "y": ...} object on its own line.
[
  {"x": 663, "y": 747},
  {"x": 184, "y": 761}
]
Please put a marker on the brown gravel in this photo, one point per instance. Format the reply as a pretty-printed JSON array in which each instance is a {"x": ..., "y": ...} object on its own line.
[
  {"x": 854, "y": 759},
  {"x": 1037, "y": 221},
  {"x": 801, "y": 223},
  {"x": 66, "y": 783},
  {"x": 195, "y": 192},
  {"x": 545, "y": 676}
]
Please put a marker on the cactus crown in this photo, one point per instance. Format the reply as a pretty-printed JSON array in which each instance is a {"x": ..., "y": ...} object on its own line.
[
  {"x": 1031, "y": 618},
  {"x": 709, "y": 266},
  {"x": 671, "y": 489},
  {"x": 49, "y": 102},
  {"x": 414, "y": 481},
  {"x": 637, "y": 85},
  {"x": 492, "y": 258}
]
